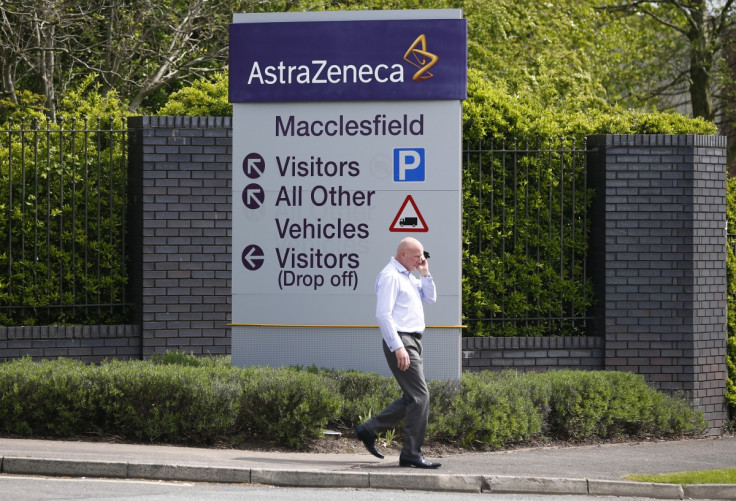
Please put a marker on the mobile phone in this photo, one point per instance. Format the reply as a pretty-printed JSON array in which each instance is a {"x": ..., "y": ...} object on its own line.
[{"x": 426, "y": 255}]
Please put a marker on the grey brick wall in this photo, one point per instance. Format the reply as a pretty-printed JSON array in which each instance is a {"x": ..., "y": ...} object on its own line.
[
  {"x": 89, "y": 343},
  {"x": 180, "y": 232},
  {"x": 539, "y": 354},
  {"x": 658, "y": 252}
]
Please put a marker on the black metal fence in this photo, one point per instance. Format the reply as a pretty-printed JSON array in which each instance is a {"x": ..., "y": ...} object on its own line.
[
  {"x": 62, "y": 218},
  {"x": 526, "y": 238}
]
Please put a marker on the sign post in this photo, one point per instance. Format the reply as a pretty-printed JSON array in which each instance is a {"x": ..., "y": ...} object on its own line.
[{"x": 346, "y": 138}]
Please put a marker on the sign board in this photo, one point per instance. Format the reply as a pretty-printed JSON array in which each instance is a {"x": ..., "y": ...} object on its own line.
[
  {"x": 346, "y": 138},
  {"x": 348, "y": 60}
]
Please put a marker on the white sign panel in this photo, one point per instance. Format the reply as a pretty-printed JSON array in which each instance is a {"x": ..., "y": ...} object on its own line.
[{"x": 317, "y": 217}]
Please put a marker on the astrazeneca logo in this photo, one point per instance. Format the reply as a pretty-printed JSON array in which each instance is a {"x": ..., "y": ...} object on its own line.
[
  {"x": 421, "y": 58},
  {"x": 320, "y": 71}
]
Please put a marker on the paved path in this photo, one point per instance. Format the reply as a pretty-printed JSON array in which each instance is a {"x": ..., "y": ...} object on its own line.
[{"x": 593, "y": 470}]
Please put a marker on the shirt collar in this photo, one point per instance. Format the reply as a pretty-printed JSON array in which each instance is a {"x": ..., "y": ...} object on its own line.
[{"x": 400, "y": 267}]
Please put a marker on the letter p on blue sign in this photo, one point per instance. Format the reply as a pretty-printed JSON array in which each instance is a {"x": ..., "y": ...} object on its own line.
[{"x": 408, "y": 164}]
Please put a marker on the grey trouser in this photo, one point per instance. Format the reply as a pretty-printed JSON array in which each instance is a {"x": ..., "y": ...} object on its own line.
[{"x": 412, "y": 406}]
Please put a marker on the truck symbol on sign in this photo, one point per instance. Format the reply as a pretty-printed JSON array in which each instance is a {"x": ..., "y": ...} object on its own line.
[{"x": 408, "y": 221}]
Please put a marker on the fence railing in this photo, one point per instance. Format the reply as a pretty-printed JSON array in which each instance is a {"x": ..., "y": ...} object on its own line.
[
  {"x": 62, "y": 220},
  {"x": 526, "y": 238}
]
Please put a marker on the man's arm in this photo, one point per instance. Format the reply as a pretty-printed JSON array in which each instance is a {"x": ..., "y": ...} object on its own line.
[{"x": 386, "y": 291}]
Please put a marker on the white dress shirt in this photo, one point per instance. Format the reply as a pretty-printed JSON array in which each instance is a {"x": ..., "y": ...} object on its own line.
[{"x": 399, "y": 296}]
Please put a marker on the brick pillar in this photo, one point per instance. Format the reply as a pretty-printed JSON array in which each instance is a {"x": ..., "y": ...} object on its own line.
[
  {"x": 659, "y": 264},
  {"x": 180, "y": 232}
]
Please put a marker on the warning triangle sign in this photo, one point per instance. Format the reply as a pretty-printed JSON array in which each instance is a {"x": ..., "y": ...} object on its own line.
[{"x": 409, "y": 219}]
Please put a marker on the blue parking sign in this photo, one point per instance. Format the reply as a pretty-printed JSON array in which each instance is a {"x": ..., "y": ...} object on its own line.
[{"x": 408, "y": 164}]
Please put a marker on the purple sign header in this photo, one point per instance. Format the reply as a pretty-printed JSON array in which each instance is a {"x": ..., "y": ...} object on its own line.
[{"x": 349, "y": 60}]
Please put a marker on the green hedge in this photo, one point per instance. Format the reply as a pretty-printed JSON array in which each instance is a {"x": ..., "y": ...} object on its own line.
[
  {"x": 183, "y": 399},
  {"x": 731, "y": 295}
]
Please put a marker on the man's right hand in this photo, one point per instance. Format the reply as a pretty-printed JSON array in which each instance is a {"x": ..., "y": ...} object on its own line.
[{"x": 402, "y": 359}]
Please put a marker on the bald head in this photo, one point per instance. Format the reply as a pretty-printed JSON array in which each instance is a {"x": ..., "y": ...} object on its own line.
[
  {"x": 408, "y": 243},
  {"x": 410, "y": 253}
]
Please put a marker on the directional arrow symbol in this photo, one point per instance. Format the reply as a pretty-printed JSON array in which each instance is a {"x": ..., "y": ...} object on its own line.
[
  {"x": 253, "y": 257},
  {"x": 253, "y": 196},
  {"x": 254, "y": 165}
]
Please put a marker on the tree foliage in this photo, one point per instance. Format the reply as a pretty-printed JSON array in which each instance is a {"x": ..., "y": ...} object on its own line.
[
  {"x": 656, "y": 55},
  {"x": 694, "y": 35},
  {"x": 205, "y": 97},
  {"x": 643, "y": 54}
]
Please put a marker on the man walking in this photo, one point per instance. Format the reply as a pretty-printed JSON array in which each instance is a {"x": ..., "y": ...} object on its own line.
[{"x": 400, "y": 315}]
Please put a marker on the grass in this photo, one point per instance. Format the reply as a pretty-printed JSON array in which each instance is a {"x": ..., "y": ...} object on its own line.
[{"x": 722, "y": 476}]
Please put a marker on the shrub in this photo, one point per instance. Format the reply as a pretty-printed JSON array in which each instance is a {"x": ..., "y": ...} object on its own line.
[
  {"x": 489, "y": 410},
  {"x": 578, "y": 404},
  {"x": 287, "y": 406},
  {"x": 166, "y": 403},
  {"x": 179, "y": 402},
  {"x": 190, "y": 360},
  {"x": 46, "y": 398},
  {"x": 364, "y": 394},
  {"x": 514, "y": 243},
  {"x": 674, "y": 416},
  {"x": 498, "y": 409},
  {"x": 605, "y": 404}
]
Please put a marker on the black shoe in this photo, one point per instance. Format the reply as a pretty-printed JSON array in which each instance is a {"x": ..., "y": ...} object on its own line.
[
  {"x": 419, "y": 462},
  {"x": 368, "y": 440}
]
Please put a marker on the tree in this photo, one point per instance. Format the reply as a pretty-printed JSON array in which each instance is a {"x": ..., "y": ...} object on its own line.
[
  {"x": 137, "y": 47},
  {"x": 36, "y": 37},
  {"x": 148, "y": 44},
  {"x": 701, "y": 26},
  {"x": 698, "y": 52}
]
